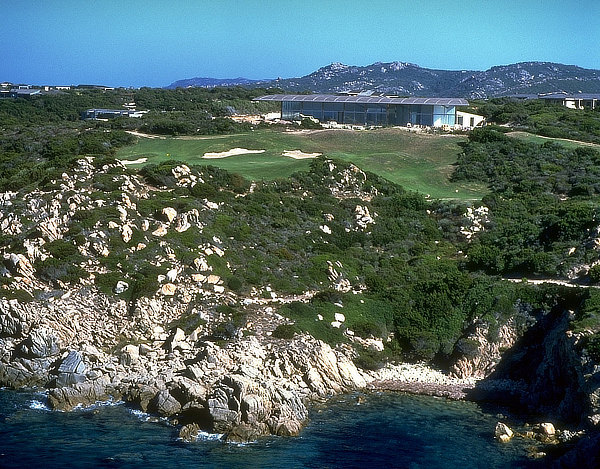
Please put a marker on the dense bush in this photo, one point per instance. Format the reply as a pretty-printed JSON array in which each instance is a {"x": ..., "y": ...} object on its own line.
[{"x": 284, "y": 331}]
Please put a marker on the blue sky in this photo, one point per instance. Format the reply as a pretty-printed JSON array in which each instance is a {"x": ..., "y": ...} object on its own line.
[{"x": 153, "y": 43}]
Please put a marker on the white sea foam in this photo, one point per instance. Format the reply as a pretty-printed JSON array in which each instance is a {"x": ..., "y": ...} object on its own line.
[
  {"x": 38, "y": 405},
  {"x": 143, "y": 416},
  {"x": 205, "y": 436},
  {"x": 97, "y": 404}
]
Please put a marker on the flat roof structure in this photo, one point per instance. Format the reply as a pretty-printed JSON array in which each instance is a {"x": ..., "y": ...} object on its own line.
[
  {"x": 573, "y": 100},
  {"x": 368, "y": 109},
  {"x": 559, "y": 95},
  {"x": 332, "y": 98}
]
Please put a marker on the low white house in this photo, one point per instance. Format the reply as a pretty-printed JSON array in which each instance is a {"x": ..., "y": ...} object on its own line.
[
  {"x": 572, "y": 101},
  {"x": 466, "y": 120}
]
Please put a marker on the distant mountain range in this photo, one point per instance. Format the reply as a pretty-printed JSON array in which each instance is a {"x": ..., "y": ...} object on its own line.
[{"x": 406, "y": 79}]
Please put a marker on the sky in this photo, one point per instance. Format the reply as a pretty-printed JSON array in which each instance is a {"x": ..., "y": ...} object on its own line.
[{"x": 135, "y": 43}]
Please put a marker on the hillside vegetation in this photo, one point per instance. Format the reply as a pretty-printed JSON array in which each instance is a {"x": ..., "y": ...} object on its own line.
[{"x": 402, "y": 267}]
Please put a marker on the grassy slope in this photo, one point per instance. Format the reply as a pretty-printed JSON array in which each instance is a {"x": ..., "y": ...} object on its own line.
[{"x": 417, "y": 162}]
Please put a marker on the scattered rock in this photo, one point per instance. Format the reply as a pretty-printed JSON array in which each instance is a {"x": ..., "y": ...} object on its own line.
[
  {"x": 168, "y": 289},
  {"x": 503, "y": 432},
  {"x": 170, "y": 213},
  {"x": 189, "y": 432},
  {"x": 121, "y": 287}
]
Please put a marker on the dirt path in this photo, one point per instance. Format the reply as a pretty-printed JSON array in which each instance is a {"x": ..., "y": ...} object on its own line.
[
  {"x": 540, "y": 281},
  {"x": 579, "y": 142},
  {"x": 181, "y": 137}
]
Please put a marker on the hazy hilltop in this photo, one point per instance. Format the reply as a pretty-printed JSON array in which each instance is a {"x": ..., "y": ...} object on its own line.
[
  {"x": 204, "y": 82},
  {"x": 408, "y": 79}
]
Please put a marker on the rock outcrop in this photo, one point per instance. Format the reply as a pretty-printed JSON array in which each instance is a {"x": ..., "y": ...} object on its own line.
[{"x": 244, "y": 388}]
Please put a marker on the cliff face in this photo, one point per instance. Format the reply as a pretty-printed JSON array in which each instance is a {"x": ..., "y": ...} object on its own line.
[{"x": 539, "y": 366}]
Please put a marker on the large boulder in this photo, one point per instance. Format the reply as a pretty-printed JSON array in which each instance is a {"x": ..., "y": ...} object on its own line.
[
  {"x": 24, "y": 372},
  {"x": 130, "y": 355},
  {"x": 245, "y": 432},
  {"x": 71, "y": 370},
  {"x": 12, "y": 323},
  {"x": 41, "y": 342},
  {"x": 224, "y": 409},
  {"x": 164, "y": 404},
  {"x": 143, "y": 396},
  {"x": 189, "y": 432},
  {"x": 80, "y": 394}
]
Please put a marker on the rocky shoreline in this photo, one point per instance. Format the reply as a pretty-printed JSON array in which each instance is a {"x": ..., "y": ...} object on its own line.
[
  {"x": 245, "y": 387},
  {"x": 86, "y": 348},
  {"x": 420, "y": 379},
  {"x": 449, "y": 391}
]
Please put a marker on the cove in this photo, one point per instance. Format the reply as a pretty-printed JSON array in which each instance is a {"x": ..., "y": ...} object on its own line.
[{"x": 351, "y": 431}]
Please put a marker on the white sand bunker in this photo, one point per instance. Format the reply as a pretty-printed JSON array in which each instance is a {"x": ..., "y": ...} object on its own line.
[
  {"x": 138, "y": 161},
  {"x": 232, "y": 152},
  {"x": 300, "y": 155}
]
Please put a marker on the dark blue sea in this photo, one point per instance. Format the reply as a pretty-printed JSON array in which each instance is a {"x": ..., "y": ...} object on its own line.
[{"x": 379, "y": 431}]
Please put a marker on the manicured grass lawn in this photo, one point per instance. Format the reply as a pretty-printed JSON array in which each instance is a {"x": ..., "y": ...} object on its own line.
[
  {"x": 532, "y": 138},
  {"x": 416, "y": 161}
]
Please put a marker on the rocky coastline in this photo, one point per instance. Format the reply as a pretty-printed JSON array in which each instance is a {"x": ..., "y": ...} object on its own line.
[
  {"x": 248, "y": 386},
  {"x": 85, "y": 347}
]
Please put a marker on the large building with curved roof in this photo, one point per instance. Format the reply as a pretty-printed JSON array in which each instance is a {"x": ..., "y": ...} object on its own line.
[{"x": 360, "y": 109}]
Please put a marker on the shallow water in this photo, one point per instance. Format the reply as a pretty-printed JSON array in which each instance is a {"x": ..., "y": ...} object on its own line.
[{"x": 383, "y": 431}]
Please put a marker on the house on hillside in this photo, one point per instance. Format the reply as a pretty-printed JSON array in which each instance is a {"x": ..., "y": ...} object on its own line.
[
  {"x": 24, "y": 92},
  {"x": 368, "y": 109},
  {"x": 103, "y": 114},
  {"x": 562, "y": 98},
  {"x": 572, "y": 101}
]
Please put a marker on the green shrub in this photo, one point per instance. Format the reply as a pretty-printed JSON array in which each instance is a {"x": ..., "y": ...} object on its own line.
[
  {"x": 594, "y": 273},
  {"x": 587, "y": 317},
  {"x": 234, "y": 283},
  {"x": 188, "y": 322},
  {"x": 16, "y": 294},
  {"x": 106, "y": 282},
  {"x": 52, "y": 270},
  {"x": 368, "y": 328},
  {"x": 370, "y": 359},
  {"x": 61, "y": 249},
  {"x": 593, "y": 347},
  {"x": 285, "y": 331}
]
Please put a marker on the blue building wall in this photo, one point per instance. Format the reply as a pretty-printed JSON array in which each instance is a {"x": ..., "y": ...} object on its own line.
[{"x": 370, "y": 114}]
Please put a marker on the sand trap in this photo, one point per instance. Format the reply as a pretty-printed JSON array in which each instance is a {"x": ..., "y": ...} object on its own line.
[
  {"x": 140, "y": 134},
  {"x": 138, "y": 161},
  {"x": 232, "y": 152},
  {"x": 300, "y": 155}
]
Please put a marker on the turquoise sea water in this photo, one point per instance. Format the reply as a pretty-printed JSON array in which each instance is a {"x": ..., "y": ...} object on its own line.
[{"x": 382, "y": 431}]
